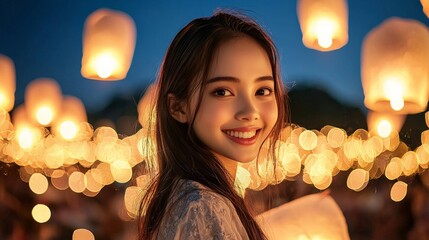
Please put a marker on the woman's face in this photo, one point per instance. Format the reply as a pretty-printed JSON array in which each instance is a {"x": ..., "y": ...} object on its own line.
[{"x": 238, "y": 108}]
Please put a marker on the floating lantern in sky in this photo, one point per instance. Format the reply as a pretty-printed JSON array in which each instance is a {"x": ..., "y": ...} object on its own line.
[
  {"x": 7, "y": 83},
  {"x": 395, "y": 73},
  {"x": 324, "y": 23},
  {"x": 72, "y": 114},
  {"x": 108, "y": 45},
  {"x": 425, "y": 4},
  {"x": 383, "y": 124},
  {"x": 27, "y": 134},
  {"x": 43, "y": 100}
]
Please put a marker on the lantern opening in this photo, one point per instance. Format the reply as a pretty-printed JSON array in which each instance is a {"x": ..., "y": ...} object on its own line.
[
  {"x": 394, "y": 91},
  {"x": 397, "y": 103},
  {"x": 105, "y": 64},
  {"x": 44, "y": 115},
  {"x": 324, "y": 31}
]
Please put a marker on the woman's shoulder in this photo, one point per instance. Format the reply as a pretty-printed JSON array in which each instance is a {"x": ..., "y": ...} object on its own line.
[
  {"x": 190, "y": 193},
  {"x": 195, "y": 211}
]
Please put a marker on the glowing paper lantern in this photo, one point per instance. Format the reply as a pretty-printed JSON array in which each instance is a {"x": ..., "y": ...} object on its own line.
[
  {"x": 314, "y": 216},
  {"x": 43, "y": 100},
  {"x": 27, "y": 135},
  {"x": 383, "y": 124},
  {"x": 324, "y": 23},
  {"x": 7, "y": 83},
  {"x": 395, "y": 73},
  {"x": 68, "y": 121},
  {"x": 108, "y": 45},
  {"x": 425, "y": 4}
]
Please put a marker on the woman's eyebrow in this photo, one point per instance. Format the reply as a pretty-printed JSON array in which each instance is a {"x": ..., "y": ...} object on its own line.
[{"x": 234, "y": 79}]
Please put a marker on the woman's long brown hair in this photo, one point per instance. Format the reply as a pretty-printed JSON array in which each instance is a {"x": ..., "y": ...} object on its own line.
[{"x": 180, "y": 154}]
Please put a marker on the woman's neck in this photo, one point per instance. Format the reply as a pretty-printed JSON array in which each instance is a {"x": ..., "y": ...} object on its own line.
[{"x": 229, "y": 165}]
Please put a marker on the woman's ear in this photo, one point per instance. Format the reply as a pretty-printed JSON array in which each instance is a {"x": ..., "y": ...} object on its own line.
[{"x": 177, "y": 109}]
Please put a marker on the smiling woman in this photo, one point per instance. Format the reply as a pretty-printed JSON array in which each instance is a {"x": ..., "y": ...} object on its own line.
[{"x": 220, "y": 98}]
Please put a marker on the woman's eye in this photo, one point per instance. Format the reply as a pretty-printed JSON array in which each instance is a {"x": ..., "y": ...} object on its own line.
[
  {"x": 222, "y": 92},
  {"x": 264, "y": 92}
]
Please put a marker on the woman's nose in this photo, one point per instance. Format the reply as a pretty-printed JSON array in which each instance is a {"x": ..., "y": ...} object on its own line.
[{"x": 247, "y": 110}]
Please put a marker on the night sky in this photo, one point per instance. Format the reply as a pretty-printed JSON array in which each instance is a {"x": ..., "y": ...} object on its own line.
[{"x": 44, "y": 39}]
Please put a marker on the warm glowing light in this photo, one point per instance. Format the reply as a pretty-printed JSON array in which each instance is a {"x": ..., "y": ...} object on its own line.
[
  {"x": 44, "y": 115},
  {"x": 398, "y": 191},
  {"x": 132, "y": 199},
  {"x": 2, "y": 100},
  {"x": 397, "y": 103},
  {"x": 7, "y": 83},
  {"x": 41, "y": 213},
  {"x": 68, "y": 130},
  {"x": 324, "y": 33},
  {"x": 60, "y": 180},
  {"x": 384, "y": 128},
  {"x": 336, "y": 137},
  {"x": 38, "y": 183},
  {"x": 308, "y": 140},
  {"x": 121, "y": 171},
  {"x": 410, "y": 163},
  {"x": 25, "y": 138},
  {"x": 82, "y": 234},
  {"x": 357, "y": 179},
  {"x": 77, "y": 182},
  {"x": 105, "y": 64},
  {"x": 394, "y": 91},
  {"x": 93, "y": 180},
  {"x": 394, "y": 168}
]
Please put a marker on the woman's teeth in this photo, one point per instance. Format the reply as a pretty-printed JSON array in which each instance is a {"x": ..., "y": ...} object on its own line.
[{"x": 238, "y": 134}]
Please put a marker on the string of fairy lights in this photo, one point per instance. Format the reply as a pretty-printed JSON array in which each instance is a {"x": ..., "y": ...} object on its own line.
[{"x": 49, "y": 137}]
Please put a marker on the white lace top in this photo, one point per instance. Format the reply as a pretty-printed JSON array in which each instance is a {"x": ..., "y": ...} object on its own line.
[{"x": 201, "y": 214}]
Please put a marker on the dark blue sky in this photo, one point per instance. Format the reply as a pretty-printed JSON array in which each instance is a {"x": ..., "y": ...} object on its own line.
[{"x": 44, "y": 39}]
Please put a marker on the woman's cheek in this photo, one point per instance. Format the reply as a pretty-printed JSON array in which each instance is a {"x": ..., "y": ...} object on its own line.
[{"x": 271, "y": 112}]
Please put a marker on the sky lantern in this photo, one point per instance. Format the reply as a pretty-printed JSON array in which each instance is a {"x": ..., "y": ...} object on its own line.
[
  {"x": 7, "y": 83},
  {"x": 395, "y": 69},
  {"x": 68, "y": 121},
  {"x": 108, "y": 45},
  {"x": 315, "y": 216},
  {"x": 324, "y": 23},
  {"x": 43, "y": 100},
  {"x": 425, "y": 4},
  {"x": 27, "y": 134}
]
